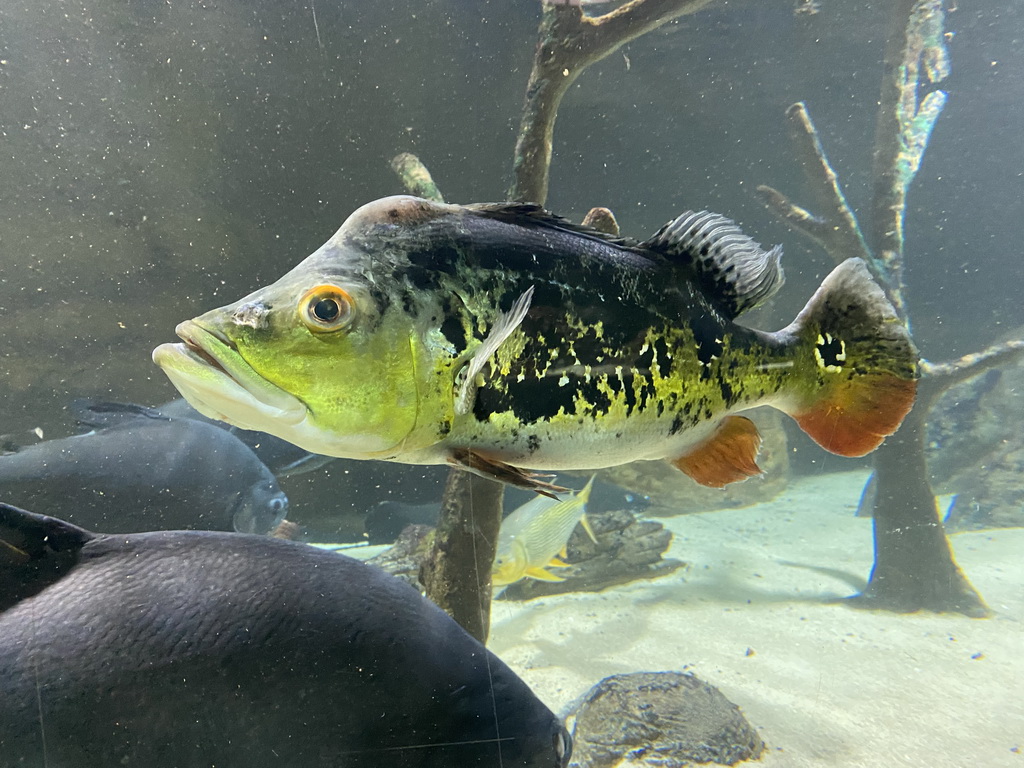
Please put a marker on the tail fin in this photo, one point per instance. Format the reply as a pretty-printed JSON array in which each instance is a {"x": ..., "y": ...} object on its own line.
[{"x": 864, "y": 364}]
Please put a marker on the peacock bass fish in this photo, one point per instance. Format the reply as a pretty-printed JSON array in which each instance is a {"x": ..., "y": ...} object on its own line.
[
  {"x": 535, "y": 535},
  {"x": 506, "y": 340}
]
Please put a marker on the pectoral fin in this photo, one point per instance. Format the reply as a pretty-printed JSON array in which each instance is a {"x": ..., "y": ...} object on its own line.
[
  {"x": 728, "y": 455},
  {"x": 496, "y": 336},
  {"x": 494, "y": 469}
]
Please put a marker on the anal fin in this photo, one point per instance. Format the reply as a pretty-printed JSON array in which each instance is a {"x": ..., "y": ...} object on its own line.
[
  {"x": 540, "y": 574},
  {"x": 727, "y": 456},
  {"x": 494, "y": 469}
]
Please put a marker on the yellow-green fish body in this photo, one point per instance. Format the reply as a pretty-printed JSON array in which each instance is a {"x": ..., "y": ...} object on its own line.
[
  {"x": 504, "y": 339},
  {"x": 534, "y": 534}
]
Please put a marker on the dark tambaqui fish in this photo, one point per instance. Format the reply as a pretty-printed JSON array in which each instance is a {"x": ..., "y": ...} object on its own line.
[
  {"x": 173, "y": 649},
  {"x": 282, "y": 458},
  {"x": 502, "y": 338},
  {"x": 143, "y": 472}
]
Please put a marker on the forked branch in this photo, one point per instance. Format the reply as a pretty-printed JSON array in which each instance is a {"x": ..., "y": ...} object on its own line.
[{"x": 568, "y": 42}]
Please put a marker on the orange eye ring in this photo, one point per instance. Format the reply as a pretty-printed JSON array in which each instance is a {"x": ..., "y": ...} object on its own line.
[{"x": 326, "y": 308}]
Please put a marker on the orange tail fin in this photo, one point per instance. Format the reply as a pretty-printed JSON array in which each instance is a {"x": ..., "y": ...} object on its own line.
[
  {"x": 865, "y": 365},
  {"x": 859, "y": 414}
]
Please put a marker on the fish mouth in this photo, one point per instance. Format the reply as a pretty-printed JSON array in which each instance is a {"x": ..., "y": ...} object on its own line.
[{"x": 209, "y": 371}]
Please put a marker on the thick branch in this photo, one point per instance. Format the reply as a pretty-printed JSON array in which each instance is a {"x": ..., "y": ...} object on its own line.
[
  {"x": 457, "y": 570},
  {"x": 914, "y": 565},
  {"x": 603, "y": 220},
  {"x": 903, "y": 126},
  {"x": 569, "y": 42}
]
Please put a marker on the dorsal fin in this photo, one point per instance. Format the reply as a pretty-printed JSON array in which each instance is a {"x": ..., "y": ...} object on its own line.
[
  {"x": 35, "y": 552},
  {"x": 527, "y": 214},
  {"x": 731, "y": 267},
  {"x": 99, "y": 414}
]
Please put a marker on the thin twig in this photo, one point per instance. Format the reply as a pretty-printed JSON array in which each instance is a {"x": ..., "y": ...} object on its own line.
[
  {"x": 845, "y": 239},
  {"x": 837, "y": 231},
  {"x": 801, "y": 220},
  {"x": 415, "y": 177},
  {"x": 938, "y": 377}
]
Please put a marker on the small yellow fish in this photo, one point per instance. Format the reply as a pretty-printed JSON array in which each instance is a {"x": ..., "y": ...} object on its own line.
[{"x": 532, "y": 537}]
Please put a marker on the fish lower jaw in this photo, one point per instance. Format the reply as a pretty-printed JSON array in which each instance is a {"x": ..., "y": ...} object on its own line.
[{"x": 215, "y": 393}]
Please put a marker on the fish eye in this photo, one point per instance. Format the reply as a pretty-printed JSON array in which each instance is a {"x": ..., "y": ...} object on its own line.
[{"x": 326, "y": 308}]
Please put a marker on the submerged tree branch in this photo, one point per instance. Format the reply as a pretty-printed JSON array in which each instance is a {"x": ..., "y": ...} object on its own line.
[
  {"x": 568, "y": 42},
  {"x": 603, "y": 220},
  {"x": 938, "y": 377},
  {"x": 456, "y": 572},
  {"x": 844, "y": 238},
  {"x": 415, "y": 177},
  {"x": 914, "y": 565},
  {"x": 903, "y": 127},
  {"x": 837, "y": 231}
]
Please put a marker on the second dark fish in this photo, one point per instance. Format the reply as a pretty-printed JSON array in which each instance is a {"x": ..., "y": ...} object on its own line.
[
  {"x": 146, "y": 473},
  {"x": 186, "y": 649}
]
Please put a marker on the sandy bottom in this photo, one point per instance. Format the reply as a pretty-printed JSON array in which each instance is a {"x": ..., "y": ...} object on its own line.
[{"x": 825, "y": 685}]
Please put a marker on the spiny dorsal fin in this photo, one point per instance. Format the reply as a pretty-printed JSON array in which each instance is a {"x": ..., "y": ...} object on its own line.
[
  {"x": 35, "y": 552},
  {"x": 734, "y": 269},
  {"x": 531, "y": 214}
]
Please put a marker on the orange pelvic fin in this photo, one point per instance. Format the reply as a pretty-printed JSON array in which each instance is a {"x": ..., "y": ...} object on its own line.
[
  {"x": 728, "y": 455},
  {"x": 858, "y": 414}
]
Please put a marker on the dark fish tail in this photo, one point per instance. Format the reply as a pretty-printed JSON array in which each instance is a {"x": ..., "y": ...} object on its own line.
[{"x": 35, "y": 551}]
